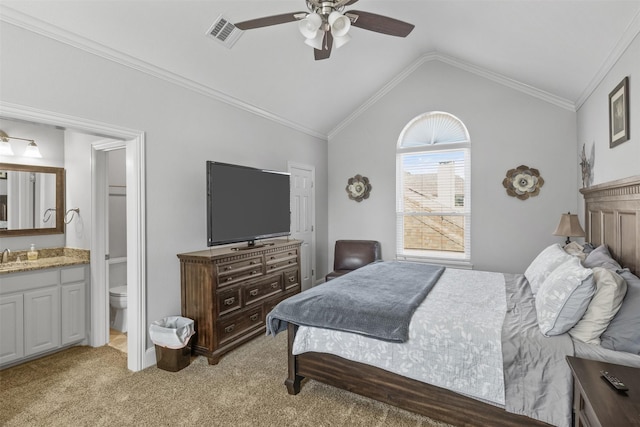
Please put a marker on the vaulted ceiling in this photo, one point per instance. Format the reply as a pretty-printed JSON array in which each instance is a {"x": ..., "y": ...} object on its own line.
[{"x": 558, "y": 49}]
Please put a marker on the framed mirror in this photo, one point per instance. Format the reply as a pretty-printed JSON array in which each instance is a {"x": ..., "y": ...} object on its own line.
[{"x": 31, "y": 200}]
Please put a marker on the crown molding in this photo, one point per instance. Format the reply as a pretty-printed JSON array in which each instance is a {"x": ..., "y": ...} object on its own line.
[
  {"x": 630, "y": 33},
  {"x": 45, "y": 29},
  {"x": 474, "y": 69}
]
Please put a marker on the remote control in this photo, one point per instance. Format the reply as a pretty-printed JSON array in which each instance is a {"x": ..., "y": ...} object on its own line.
[{"x": 615, "y": 382}]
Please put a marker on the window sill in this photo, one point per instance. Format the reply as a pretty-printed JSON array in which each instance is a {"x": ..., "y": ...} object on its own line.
[{"x": 447, "y": 262}]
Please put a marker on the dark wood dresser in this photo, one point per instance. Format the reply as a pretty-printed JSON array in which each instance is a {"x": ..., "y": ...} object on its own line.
[{"x": 229, "y": 291}]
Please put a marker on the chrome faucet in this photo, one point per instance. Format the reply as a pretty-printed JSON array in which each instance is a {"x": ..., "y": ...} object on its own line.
[{"x": 5, "y": 255}]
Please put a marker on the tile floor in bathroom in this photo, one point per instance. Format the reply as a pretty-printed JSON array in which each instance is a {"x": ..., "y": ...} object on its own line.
[{"x": 118, "y": 340}]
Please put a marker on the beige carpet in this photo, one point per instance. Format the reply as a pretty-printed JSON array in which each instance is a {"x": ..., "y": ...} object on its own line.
[{"x": 86, "y": 386}]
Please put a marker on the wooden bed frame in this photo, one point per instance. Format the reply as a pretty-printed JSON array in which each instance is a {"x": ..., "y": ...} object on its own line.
[{"x": 612, "y": 217}]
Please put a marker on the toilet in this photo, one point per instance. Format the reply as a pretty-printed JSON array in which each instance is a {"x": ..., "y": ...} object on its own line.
[{"x": 118, "y": 304}]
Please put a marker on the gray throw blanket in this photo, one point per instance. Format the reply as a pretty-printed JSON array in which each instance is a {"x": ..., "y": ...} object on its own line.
[
  {"x": 377, "y": 300},
  {"x": 537, "y": 378}
]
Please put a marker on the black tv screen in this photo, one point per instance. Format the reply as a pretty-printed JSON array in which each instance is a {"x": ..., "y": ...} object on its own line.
[{"x": 246, "y": 204}]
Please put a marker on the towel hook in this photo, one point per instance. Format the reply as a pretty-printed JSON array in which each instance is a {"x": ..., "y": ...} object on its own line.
[{"x": 73, "y": 211}]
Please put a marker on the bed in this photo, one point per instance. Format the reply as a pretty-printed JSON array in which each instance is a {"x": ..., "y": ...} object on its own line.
[{"x": 612, "y": 222}]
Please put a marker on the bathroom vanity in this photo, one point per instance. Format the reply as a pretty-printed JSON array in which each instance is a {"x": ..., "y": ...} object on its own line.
[{"x": 43, "y": 306}]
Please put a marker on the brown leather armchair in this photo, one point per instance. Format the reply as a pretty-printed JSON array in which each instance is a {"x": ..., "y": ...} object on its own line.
[{"x": 353, "y": 254}]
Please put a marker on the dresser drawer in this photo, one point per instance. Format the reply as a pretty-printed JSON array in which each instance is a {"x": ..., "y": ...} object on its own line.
[
  {"x": 279, "y": 256},
  {"x": 228, "y": 300},
  {"x": 259, "y": 290},
  {"x": 235, "y": 271},
  {"x": 291, "y": 278},
  {"x": 235, "y": 325}
]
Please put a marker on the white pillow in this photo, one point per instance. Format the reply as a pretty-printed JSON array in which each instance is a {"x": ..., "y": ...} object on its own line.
[
  {"x": 575, "y": 249},
  {"x": 610, "y": 291},
  {"x": 563, "y": 297},
  {"x": 546, "y": 261}
]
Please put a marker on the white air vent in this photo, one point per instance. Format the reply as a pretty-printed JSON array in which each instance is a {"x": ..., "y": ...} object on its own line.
[{"x": 224, "y": 32}]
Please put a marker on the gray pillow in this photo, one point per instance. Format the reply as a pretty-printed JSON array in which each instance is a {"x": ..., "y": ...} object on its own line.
[
  {"x": 600, "y": 257},
  {"x": 623, "y": 333},
  {"x": 564, "y": 297}
]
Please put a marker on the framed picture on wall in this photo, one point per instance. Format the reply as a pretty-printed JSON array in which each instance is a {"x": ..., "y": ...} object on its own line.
[{"x": 619, "y": 114}]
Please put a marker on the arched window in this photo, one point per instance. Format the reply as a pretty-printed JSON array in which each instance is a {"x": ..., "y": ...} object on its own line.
[{"x": 433, "y": 206}]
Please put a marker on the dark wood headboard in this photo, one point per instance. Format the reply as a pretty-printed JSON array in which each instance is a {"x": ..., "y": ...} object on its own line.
[{"x": 612, "y": 217}]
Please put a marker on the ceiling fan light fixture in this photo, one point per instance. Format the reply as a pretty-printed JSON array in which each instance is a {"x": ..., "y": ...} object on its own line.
[
  {"x": 316, "y": 42},
  {"x": 310, "y": 25},
  {"x": 339, "y": 41},
  {"x": 339, "y": 23}
]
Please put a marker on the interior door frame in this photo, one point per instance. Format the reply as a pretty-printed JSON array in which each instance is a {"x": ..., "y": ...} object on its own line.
[{"x": 134, "y": 141}]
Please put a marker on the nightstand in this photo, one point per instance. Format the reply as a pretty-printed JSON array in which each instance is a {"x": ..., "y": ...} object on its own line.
[{"x": 596, "y": 402}]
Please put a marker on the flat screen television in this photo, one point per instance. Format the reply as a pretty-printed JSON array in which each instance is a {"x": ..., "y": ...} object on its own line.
[{"x": 246, "y": 204}]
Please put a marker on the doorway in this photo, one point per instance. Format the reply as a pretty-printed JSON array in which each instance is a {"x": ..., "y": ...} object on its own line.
[{"x": 134, "y": 143}]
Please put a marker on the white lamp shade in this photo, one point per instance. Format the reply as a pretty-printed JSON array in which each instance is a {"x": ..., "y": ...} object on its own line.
[
  {"x": 316, "y": 42},
  {"x": 340, "y": 41},
  {"x": 5, "y": 148},
  {"x": 309, "y": 25},
  {"x": 32, "y": 151},
  {"x": 339, "y": 23}
]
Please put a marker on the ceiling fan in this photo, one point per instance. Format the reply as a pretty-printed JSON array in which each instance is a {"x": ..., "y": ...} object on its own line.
[{"x": 327, "y": 24}]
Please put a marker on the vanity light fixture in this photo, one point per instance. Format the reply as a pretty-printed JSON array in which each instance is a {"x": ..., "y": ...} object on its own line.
[{"x": 6, "y": 150}]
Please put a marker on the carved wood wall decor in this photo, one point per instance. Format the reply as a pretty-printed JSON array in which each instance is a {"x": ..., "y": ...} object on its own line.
[
  {"x": 523, "y": 182},
  {"x": 358, "y": 188}
]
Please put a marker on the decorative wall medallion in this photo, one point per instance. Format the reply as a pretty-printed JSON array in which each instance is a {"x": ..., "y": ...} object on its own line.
[
  {"x": 523, "y": 182},
  {"x": 358, "y": 188}
]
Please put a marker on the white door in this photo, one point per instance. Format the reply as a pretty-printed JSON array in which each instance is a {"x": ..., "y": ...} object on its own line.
[{"x": 303, "y": 219}]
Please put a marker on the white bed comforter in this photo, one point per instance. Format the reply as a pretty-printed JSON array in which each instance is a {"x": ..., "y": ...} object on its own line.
[{"x": 461, "y": 352}]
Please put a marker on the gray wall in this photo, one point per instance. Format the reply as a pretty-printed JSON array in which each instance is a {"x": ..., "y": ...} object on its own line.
[
  {"x": 508, "y": 128},
  {"x": 593, "y": 123},
  {"x": 182, "y": 128}
]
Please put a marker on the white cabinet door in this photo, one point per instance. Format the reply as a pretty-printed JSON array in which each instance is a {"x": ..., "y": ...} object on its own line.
[
  {"x": 11, "y": 328},
  {"x": 73, "y": 313},
  {"x": 41, "y": 320}
]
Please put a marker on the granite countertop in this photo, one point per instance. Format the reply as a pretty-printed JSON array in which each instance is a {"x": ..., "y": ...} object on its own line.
[{"x": 47, "y": 258}]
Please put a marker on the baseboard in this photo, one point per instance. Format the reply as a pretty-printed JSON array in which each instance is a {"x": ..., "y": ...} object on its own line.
[{"x": 150, "y": 357}]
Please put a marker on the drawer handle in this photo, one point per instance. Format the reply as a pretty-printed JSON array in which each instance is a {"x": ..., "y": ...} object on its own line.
[
  {"x": 229, "y": 301},
  {"x": 273, "y": 257},
  {"x": 274, "y": 285},
  {"x": 253, "y": 272},
  {"x": 253, "y": 292},
  {"x": 252, "y": 263},
  {"x": 229, "y": 328},
  {"x": 292, "y": 279},
  {"x": 227, "y": 268},
  {"x": 290, "y": 262},
  {"x": 254, "y": 317},
  {"x": 229, "y": 279}
]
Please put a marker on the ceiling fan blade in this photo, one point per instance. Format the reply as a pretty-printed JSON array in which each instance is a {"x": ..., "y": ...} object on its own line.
[
  {"x": 268, "y": 21},
  {"x": 327, "y": 43},
  {"x": 381, "y": 24},
  {"x": 350, "y": 2}
]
